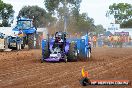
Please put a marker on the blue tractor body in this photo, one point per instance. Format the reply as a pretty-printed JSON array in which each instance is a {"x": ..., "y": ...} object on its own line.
[
  {"x": 73, "y": 49},
  {"x": 28, "y": 30}
]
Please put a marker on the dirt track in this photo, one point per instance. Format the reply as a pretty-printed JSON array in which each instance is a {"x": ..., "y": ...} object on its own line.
[{"x": 23, "y": 69}]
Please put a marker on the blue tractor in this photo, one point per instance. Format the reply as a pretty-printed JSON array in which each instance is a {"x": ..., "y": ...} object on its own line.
[
  {"x": 29, "y": 32},
  {"x": 61, "y": 48}
]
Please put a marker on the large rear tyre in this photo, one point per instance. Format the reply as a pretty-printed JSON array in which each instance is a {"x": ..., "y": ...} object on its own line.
[
  {"x": 45, "y": 53},
  {"x": 73, "y": 53},
  {"x": 31, "y": 41}
]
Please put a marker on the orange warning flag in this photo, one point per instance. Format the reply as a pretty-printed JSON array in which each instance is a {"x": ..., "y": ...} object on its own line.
[{"x": 84, "y": 73}]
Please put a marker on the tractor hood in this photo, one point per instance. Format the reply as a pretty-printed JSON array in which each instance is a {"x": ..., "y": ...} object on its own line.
[{"x": 26, "y": 31}]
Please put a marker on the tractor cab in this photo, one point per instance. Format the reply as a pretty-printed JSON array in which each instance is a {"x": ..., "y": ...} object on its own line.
[
  {"x": 27, "y": 30},
  {"x": 26, "y": 25}
]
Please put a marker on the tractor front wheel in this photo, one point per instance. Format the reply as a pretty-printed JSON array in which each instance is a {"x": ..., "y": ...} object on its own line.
[
  {"x": 73, "y": 53},
  {"x": 45, "y": 53},
  {"x": 22, "y": 46}
]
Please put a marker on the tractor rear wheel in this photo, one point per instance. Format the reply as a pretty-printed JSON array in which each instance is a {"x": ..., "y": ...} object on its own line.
[
  {"x": 45, "y": 52},
  {"x": 72, "y": 54},
  {"x": 31, "y": 41}
]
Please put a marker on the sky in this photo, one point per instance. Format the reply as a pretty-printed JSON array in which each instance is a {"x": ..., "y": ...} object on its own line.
[{"x": 95, "y": 9}]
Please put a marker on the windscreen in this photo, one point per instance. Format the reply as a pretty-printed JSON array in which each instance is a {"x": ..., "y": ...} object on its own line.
[{"x": 24, "y": 24}]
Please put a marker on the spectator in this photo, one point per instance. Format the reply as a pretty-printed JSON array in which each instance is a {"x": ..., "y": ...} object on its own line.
[{"x": 94, "y": 41}]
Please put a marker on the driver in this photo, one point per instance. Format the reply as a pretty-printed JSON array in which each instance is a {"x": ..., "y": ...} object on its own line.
[
  {"x": 58, "y": 41},
  {"x": 20, "y": 34}
]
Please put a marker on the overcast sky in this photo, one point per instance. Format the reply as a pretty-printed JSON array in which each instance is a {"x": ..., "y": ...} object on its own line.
[{"x": 95, "y": 9}]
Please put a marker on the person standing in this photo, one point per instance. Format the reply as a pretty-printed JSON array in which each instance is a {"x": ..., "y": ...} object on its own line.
[
  {"x": 115, "y": 39},
  {"x": 110, "y": 40},
  {"x": 121, "y": 41},
  {"x": 94, "y": 41},
  {"x": 20, "y": 42}
]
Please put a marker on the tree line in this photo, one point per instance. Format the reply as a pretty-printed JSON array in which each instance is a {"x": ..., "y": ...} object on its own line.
[
  {"x": 6, "y": 14},
  {"x": 58, "y": 11},
  {"x": 122, "y": 12}
]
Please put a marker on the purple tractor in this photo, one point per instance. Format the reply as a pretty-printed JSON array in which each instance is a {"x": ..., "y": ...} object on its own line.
[{"x": 59, "y": 48}]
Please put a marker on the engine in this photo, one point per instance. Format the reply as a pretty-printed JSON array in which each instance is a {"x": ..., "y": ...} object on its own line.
[
  {"x": 56, "y": 50},
  {"x": 55, "y": 53}
]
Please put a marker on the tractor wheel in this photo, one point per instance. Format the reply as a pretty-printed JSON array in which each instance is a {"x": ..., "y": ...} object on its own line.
[
  {"x": 23, "y": 43},
  {"x": 72, "y": 54},
  {"x": 31, "y": 41},
  {"x": 45, "y": 52},
  {"x": 22, "y": 46}
]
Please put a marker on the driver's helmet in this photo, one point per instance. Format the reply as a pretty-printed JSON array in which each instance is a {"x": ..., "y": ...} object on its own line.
[{"x": 59, "y": 36}]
